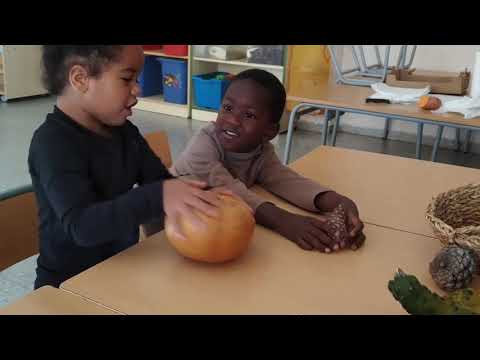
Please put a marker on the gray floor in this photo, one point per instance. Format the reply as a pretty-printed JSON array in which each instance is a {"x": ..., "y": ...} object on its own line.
[{"x": 18, "y": 120}]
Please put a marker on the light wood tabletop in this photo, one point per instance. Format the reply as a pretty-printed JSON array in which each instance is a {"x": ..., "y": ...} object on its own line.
[
  {"x": 353, "y": 97},
  {"x": 48, "y": 300},
  {"x": 273, "y": 277},
  {"x": 277, "y": 277},
  {"x": 390, "y": 191}
]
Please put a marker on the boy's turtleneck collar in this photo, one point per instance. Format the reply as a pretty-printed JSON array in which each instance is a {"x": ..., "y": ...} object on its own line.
[{"x": 245, "y": 156}]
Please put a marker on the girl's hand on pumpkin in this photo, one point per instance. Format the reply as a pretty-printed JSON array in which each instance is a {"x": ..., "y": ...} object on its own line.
[
  {"x": 226, "y": 191},
  {"x": 182, "y": 197}
]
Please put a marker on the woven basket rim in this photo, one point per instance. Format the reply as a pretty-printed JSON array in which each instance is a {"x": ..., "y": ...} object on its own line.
[{"x": 464, "y": 235}]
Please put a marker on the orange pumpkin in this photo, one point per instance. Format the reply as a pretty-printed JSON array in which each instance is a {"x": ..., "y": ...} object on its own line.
[{"x": 224, "y": 238}]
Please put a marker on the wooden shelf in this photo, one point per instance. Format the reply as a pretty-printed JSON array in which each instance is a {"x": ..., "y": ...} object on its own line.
[
  {"x": 159, "y": 105},
  {"x": 162, "y": 54},
  {"x": 241, "y": 62}
]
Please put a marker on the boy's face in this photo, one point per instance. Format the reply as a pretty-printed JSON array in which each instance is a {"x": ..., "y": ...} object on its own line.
[
  {"x": 111, "y": 96},
  {"x": 244, "y": 120}
]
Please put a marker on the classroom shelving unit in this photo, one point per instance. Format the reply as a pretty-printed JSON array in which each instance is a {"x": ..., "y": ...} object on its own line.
[
  {"x": 199, "y": 63},
  {"x": 157, "y": 103},
  {"x": 202, "y": 64}
]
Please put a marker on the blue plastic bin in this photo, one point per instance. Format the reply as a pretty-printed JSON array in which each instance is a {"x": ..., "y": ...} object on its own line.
[
  {"x": 174, "y": 75},
  {"x": 209, "y": 91},
  {"x": 151, "y": 77}
]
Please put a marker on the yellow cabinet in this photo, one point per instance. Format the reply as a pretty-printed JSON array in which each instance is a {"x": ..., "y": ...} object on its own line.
[{"x": 306, "y": 63}]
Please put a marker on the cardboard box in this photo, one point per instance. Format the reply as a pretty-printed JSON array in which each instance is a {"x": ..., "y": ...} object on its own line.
[{"x": 441, "y": 82}]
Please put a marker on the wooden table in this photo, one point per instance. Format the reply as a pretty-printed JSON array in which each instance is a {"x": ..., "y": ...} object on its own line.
[
  {"x": 390, "y": 191},
  {"x": 277, "y": 277},
  {"x": 51, "y": 301},
  {"x": 273, "y": 277},
  {"x": 351, "y": 99}
]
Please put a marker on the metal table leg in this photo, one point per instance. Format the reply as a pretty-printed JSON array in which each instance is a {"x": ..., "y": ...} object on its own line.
[
  {"x": 418, "y": 151},
  {"x": 457, "y": 139},
  {"x": 386, "y": 129},
  {"x": 335, "y": 128},
  {"x": 468, "y": 135},
  {"x": 325, "y": 130},
  {"x": 288, "y": 144},
  {"x": 437, "y": 142}
]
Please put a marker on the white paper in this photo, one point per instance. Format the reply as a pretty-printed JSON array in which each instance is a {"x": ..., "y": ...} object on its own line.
[
  {"x": 469, "y": 107},
  {"x": 398, "y": 94}
]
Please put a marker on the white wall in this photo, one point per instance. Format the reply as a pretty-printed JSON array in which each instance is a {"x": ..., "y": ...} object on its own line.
[{"x": 432, "y": 57}]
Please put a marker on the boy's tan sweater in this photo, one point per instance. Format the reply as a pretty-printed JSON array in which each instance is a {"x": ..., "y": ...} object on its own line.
[{"x": 205, "y": 159}]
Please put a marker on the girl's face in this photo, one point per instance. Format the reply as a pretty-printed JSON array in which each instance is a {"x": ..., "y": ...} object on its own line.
[{"x": 111, "y": 96}]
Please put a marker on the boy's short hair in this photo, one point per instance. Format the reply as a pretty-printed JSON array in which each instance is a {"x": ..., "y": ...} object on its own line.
[
  {"x": 58, "y": 59},
  {"x": 272, "y": 84}
]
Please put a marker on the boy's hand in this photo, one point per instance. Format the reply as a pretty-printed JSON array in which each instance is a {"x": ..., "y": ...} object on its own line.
[
  {"x": 329, "y": 200},
  {"x": 182, "y": 197},
  {"x": 307, "y": 232}
]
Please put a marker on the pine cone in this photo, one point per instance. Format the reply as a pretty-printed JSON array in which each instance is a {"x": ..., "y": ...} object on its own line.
[
  {"x": 453, "y": 267},
  {"x": 336, "y": 225}
]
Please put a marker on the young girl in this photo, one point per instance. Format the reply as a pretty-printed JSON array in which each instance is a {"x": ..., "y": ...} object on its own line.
[
  {"x": 85, "y": 159},
  {"x": 235, "y": 152}
]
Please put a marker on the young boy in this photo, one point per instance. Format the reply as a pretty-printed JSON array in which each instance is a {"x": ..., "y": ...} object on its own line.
[
  {"x": 85, "y": 159},
  {"x": 235, "y": 152}
]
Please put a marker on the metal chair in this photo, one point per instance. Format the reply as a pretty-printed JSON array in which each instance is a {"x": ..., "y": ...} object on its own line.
[
  {"x": 372, "y": 73},
  {"x": 362, "y": 74}
]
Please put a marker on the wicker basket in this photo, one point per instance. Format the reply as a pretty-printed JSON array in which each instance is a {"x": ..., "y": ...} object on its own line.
[{"x": 455, "y": 216}]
